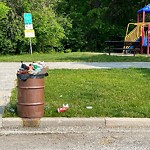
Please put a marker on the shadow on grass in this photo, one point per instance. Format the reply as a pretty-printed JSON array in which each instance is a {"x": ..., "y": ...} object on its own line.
[
  {"x": 104, "y": 58},
  {"x": 144, "y": 71}
]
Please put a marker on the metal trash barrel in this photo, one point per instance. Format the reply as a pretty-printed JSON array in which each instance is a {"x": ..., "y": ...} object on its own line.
[{"x": 31, "y": 96}]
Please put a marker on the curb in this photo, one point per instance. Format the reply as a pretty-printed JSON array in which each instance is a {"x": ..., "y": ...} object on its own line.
[
  {"x": 53, "y": 122},
  {"x": 68, "y": 125},
  {"x": 127, "y": 122},
  {"x": 50, "y": 125},
  {"x": 84, "y": 122}
]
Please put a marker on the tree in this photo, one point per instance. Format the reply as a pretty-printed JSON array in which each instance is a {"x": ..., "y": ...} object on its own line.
[
  {"x": 48, "y": 26},
  {"x": 80, "y": 25},
  {"x": 48, "y": 30}
]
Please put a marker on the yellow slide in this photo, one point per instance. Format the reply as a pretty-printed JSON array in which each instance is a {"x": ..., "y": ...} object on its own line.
[{"x": 134, "y": 34}]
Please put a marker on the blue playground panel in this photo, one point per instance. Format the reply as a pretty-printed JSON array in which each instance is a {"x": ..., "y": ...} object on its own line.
[
  {"x": 136, "y": 41},
  {"x": 145, "y": 41}
]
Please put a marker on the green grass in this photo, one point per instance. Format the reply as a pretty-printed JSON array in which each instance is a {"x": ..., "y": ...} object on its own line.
[
  {"x": 69, "y": 57},
  {"x": 110, "y": 92}
]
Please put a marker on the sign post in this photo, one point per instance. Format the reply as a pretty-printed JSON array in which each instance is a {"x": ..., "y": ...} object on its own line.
[
  {"x": 30, "y": 46},
  {"x": 29, "y": 32}
]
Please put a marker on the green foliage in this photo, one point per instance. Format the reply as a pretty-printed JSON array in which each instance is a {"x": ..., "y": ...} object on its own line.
[
  {"x": 90, "y": 28},
  {"x": 12, "y": 40},
  {"x": 48, "y": 26},
  {"x": 5, "y": 42},
  {"x": 48, "y": 31},
  {"x": 67, "y": 50},
  {"x": 3, "y": 10},
  {"x": 65, "y": 24}
]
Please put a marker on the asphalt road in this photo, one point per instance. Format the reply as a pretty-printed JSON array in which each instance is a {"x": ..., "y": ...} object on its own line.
[{"x": 105, "y": 139}]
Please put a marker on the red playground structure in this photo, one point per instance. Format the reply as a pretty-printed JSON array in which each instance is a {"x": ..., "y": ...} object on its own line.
[{"x": 140, "y": 31}]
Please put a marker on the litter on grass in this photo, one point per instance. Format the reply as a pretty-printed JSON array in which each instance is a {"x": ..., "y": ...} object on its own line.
[
  {"x": 63, "y": 108},
  {"x": 89, "y": 107}
]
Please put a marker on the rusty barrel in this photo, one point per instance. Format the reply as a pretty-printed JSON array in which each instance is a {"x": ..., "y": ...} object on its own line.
[{"x": 31, "y": 97}]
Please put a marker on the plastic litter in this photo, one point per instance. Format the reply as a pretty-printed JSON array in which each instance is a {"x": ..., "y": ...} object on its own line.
[
  {"x": 89, "y": 107},
  {"x": 12, "y": 110}
]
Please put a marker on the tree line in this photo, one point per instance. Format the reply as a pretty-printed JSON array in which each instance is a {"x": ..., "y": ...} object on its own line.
[{"x": 65, "y": 25}]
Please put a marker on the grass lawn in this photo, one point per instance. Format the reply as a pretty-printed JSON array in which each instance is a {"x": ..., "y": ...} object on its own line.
[
  {"x": 72, "y": 57},
  {"x": 110, "y": 92}
]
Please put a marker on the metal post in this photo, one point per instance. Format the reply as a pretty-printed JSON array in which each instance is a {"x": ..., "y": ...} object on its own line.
[
  {"x": 30, "y": 46},
  {"x": 148, "y": 39}
]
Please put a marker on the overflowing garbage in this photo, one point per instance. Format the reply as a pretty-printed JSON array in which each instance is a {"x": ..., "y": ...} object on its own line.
[{"x": 37, "y": 68}]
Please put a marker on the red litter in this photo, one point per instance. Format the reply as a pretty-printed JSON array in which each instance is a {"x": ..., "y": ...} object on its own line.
[{"x": 63, "y": 109}]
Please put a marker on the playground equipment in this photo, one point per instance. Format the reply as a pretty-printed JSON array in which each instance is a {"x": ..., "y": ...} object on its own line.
[{"x": 141, "y": 30}]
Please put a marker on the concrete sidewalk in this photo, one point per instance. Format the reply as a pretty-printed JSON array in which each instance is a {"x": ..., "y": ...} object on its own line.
[{"x": 97, "y": 65}]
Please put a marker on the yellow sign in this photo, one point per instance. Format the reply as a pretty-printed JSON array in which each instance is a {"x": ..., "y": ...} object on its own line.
[{"x": 29, "y": 33}]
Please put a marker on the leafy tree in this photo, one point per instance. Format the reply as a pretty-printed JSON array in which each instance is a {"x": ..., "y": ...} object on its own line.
[
  {"x": 81, "y": 25},
  {"x": 49, "y": 28},
  {"x": 48, "y": 31}
]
